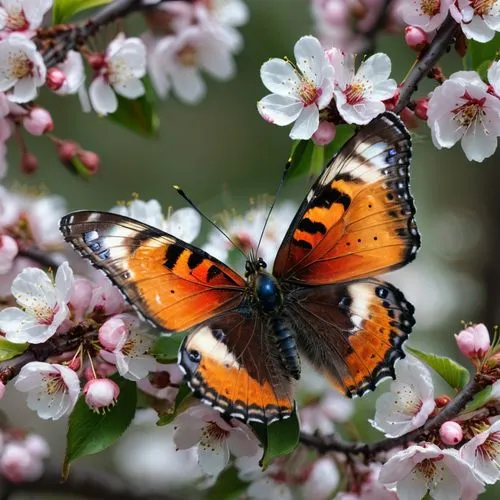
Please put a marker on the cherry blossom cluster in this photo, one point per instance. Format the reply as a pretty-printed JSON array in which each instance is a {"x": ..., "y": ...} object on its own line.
[{"x": 185, "y": 38}]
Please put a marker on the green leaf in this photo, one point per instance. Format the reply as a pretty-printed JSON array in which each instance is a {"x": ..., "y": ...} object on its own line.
[
  {"x": 452, "y": 372},
  {"x": 228, "y": 485},
  {"x": 481, "y": 55},
  {"x": 64, "y": 10},
  {"x": 183, "y": 400},
  {"x": 9, "y": 350},
  {"x": 279, "y": 438},
  {"x": 138, "y": 115},
  {"x": 166, "y": 348},
  {"x": 90, "y": 432},
  {"x": 76, "y": 167},
  {"x": 479, "y": 400}
]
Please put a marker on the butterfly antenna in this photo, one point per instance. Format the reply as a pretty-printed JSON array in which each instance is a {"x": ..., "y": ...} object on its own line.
[
  {"x": 203, "y": 216},
  {"x": 278, "y": 189}
]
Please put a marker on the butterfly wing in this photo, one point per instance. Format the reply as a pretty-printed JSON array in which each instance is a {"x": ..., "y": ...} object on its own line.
[
  {"x": 173, "y": 284},
  {"x": 352, "y": 333},
  {"x": 357, "y": 220},
  {"x": 232, "y": 364}
]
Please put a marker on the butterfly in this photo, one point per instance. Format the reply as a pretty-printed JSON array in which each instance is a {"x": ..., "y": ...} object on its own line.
[{"x": 247, "y": 335}]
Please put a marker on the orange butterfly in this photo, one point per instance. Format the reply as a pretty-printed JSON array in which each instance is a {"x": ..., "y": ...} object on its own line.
[{"x": 321, "y": 300}]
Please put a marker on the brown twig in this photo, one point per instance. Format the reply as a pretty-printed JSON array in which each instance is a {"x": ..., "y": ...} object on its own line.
[
  {"x": 427, "y": 61},
  {"x": 43, "y": 258},
  {"x": 452, "y": 409}
]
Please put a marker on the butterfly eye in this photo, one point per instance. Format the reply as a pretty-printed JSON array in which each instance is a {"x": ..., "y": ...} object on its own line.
[
  {"x": 218, "y": 334},
  {"x": 194, "y": 356}
]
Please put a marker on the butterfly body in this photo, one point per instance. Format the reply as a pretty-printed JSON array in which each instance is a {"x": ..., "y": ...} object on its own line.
[{"x": 321, "y": 300}]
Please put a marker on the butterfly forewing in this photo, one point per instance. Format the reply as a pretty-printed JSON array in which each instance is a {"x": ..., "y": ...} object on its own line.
[
  {"x": 357, "y": 220},
  {"x": 173, "y": 284}
]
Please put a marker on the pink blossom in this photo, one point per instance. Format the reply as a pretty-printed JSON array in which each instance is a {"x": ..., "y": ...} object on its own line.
[
  {"x": 474, "y": 342},
  {"x": 3, "y": 388},
  {"x": 37, "y": 446},
  {"x": 112, "y": 332},
  {"x": 38, "y": 121},
  {"x": 451, "y": 433},
  {"x": 80, "y": 298},
  {"x": 100, "y": 393},
  {"x": 106, "y": 298},
  {"x": 324, "y": 134},
  {"x": 415, "y": 38},
  {"x": 8, "y": 252},
  {"x": 18, "y": 465}
]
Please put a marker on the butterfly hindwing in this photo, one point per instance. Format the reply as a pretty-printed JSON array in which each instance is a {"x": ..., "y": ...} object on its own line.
[
  {"x": 357, "y": 220},
  {"x": 232, "y": 364},
  {"x": 173, "y": 284},
  {"x": 352, "y": 333}
]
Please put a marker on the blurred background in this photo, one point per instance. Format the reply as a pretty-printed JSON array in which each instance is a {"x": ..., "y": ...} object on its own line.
[{"x": 222, "y": 153}]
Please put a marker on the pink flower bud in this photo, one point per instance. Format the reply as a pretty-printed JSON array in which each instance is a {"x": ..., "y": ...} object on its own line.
[
  {"x": 37, "y": 446},
  {"x": 90, "y": 160},
  {"x": 38, "y": 121},
  {"x": 409, "y": 118},
  {"x": 324, "y": 134},
  {"x": 80, "y": 298},
  {"x": 67, "y": 149},
  {"x": 74, "y": 364},
  {"x": 111, "y": 333},
  {"x": 55, "y": 79},
  {"x": 29, "y": 163},
  {"x": 8, "y": 252},
  {"x": 421, "y": 108},
  {"x": 18, "y": 465},
  {"x": 106, "y": 299},
  {"x": 97, "y": 60},
  {"x": 100, "y": 393},
  {"x": 415, "y": 38},
  {"x": 3, "y": 387},
  {"x": 335, "y": 13},
  {"x": 451, "y": 433},
  {"x": 105, "y": 370},
  {"x": 442, "y": 401},
  {"x": 474, "y": 341}
]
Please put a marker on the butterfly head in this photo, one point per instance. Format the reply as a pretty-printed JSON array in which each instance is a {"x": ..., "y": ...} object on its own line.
[{"x": 265, "y": 286}]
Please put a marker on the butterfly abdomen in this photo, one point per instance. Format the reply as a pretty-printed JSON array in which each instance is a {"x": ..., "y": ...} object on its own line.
[{"x": 287, "y": 346}]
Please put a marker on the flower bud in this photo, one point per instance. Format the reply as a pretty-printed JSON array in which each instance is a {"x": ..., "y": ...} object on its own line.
[
  {"x": 442, "y": 401},
  {"x": 37, "y": 446},
  {"x": 451, "y": 433},
  {"x": 38, "y": 121},
  {"x": 96, "y": 60},
  {"x": 55, "y": 78},
  {"x": 324, "y": 134},
  {"x": 111, "y": 333},
  {"x": 100, "y": 393},
  {"x": 421, "y": 108},
  {"x": 8, "y": 252},
  {"x": 29, "y": 163},
  {"x": 17, "y": 464},
  {"x": 80, "y": 298},
  {"x": 416, "y": 38},
  {"x": 474, "y": 341},
  {"x": 67, "y": 149},
  {"x": 90, "y": 161},
  {"x": 2, "y": 389},
  {"x": 409, "y": 118}
]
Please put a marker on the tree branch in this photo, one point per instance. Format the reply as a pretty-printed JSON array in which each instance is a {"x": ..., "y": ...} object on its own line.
[
  {"x": 427, "y": 60},
  {"x": 331, "y": 443},
  {"x": 43, "y": 258}
]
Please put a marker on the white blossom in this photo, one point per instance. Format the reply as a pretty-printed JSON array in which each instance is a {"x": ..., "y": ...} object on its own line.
[
  {"x": 74, "y": 71},
  {"x": 22, "y": 15},
  {"x": 479, "y": 19},
  {"x": 43, "y": 305},
  {"x": 426, "y": 14},
  {"x": 52, "y": 389},
  {"x": 298, "y": 92}
]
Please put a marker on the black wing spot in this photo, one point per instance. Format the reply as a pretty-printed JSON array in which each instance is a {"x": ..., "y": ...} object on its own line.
[
  {"x": 172, "y": 256},
  {"x": 195, "y": 260},
  {"x": 311, "y": 227},
  {"x": 213, "y": 271},
  {"x": 329, "y": 196},
  {"x": 302, "y": 244}
]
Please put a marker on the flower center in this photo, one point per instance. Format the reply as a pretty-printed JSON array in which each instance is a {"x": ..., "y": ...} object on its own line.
[
  {"x": 431, "y": 469},
  {"x": 484, "y": 7},
  {"x": 308, "y": 93},
  {"x": 188, "y": 55},
  {"x": 16, "y": 20},
  {"x": 469, "y": 112},
  {"x": 214, "y": 433},
  {"x": 490, "y": 449},
  {"x": 118, "y": 71},
  {"x": 354, "y": 92},
  {"x": 20, "y": 66},
  {"x": 430, "y": 7},
  {"x": 54, "y": 383},
  {"x": 407, "y": 401},
  {"x": 45, "y": 314}
]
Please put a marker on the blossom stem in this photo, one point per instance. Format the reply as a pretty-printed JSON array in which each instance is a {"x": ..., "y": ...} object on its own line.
[
  {"x": 331, "y": 443},
  {"x": 427, "y": 60}
]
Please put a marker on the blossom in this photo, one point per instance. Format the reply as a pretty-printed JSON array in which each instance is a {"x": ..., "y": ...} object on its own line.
[
  {"x": 176, "y": 60},
  {"x": 474, "y": 341},
  {"x": 52, "y": 389},
  {"x": 8, "y": 252},
  {"x": 462, "y": 109},
  {"x": 22, "y": 15},
  {"x": 22, "y": 69},
  {"x": 359, "y": 95},
  {"x": 482, "y": 452},
  {"x": 132, "y": 352},
  {"x": 120, "y": 71},
  {"x": 100, "y": 393},
  {"x": 494, "y": 77},
  {"x": 426, "y": 14},
  {"x": 451, "y": 433},
  {"x": 479, "y": 19},
  {"x": 410, "y": 401},
  {"x": 74, "y": 73},
  {"x": 18, "y": 465},
  {"x": 162, "y": 381},
  {"x": 105, "y": 299},
  {"x": 421, "y": 469},
  {"x": 43, "y": 303},
  {"x": 298, "y": 93},
  {"x": 214, "y": 438}
]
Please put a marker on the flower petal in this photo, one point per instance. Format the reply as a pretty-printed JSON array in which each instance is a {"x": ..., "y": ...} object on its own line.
[
  {"x": 280, "y": 110},
  {"x": 131, "y": 89},
  {"x": 306, "y": 124},
  {"x": 102, "y": 97},
  {"x": 280, "y": 77},
  {"x": 310, "y": 58}
]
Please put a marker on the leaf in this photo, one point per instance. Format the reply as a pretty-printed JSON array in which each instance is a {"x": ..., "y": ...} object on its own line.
[
  {"x": 481, "y": 55},
  {"x": 64, "y": 10},
  {"x": 279, "y": 438},
  {"x": 479, "y": 400},
  {"x": 9, "y": 350},
  {"x": 76, "y": 167},
  {"x": 90, "y": 432},
  {"x": 182, "y": 402},
  {"x": 452, "y": 372},
  {"x": 166, "y": 348},
  {"x": 138, "y": 115},
  {"x": 228, "y": 485}
]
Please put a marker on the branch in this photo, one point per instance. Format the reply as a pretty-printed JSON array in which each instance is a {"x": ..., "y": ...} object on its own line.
[
  {"x": 451, "y": 410},
  {"x": 43, "y": 258},
  {"x": 428, "y": 59},
  {"x": 93, "y": 483}
]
